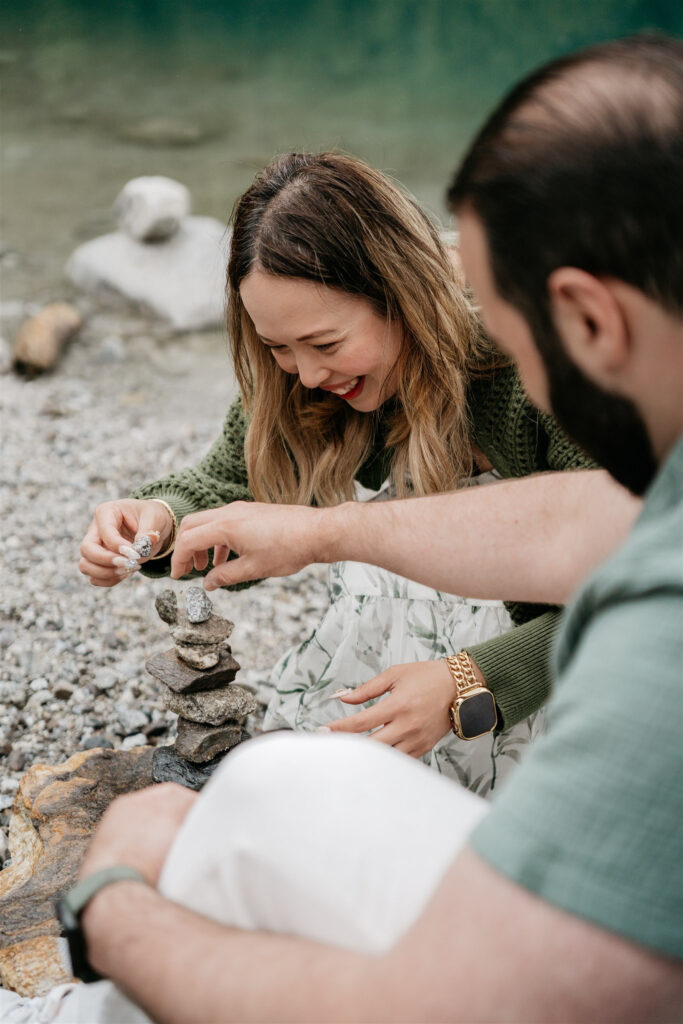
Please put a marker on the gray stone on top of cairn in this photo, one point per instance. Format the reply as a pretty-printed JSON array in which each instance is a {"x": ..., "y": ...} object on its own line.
[
  {"x": 199, "y": 743},
  {"x": 181, "y": 678},
  {"x": 198, "y": 604},
  {"x": 151, "y": 208},
  {"x": 166, "y": 604},
  {"x": 168, "y": 766},
  {"x": 212, "y": 707}
]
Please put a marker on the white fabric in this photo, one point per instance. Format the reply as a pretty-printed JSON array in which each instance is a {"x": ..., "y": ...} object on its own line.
[{"x": 330, "y": 838}]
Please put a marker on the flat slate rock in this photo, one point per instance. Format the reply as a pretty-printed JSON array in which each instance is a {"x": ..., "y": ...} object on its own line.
[
  {"x": 54, "y": 815},
  {"x": 201, "y": 743},
  {"x": 168, "y": 766},
  {"x": 212, "y": 707},
  {"x": 180, "y": 678}
]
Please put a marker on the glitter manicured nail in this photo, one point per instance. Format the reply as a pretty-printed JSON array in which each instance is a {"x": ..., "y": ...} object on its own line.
[{"x": 129, "y": 551}]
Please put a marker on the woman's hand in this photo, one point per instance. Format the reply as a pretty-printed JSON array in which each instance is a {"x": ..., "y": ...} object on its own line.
[
  {"x": 413, "y": 717},
  {"x": 118, "y": 523}
]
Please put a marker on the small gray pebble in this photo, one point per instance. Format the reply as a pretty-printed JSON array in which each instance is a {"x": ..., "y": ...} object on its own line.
[
  {"x": 137, "y": 739},
  {"x": 143, "y": 546},
  {"x": 16, "y": 762},
  {"x": 97, "y": 741},
  {"x": 166, "y": 604},
  {"x": 105, "y": 678},
  {"x": 62, "y": 690},
  {"x": 198, "y": 604},
  {"x": 129, "y": 720}
]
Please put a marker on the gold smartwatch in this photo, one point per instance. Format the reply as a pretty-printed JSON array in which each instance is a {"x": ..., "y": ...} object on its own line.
[{"x": 473, "y": 713}]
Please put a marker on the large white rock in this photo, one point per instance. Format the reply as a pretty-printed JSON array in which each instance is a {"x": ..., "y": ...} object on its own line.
[
  {"x": 152, "y": 207},
  {"x": 181, "y": 280}
]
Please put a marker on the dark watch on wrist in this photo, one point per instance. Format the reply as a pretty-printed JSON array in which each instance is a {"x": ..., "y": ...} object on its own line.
[
  {"x": 473, "y": 713},
  {"x": 70, "y": 909}
]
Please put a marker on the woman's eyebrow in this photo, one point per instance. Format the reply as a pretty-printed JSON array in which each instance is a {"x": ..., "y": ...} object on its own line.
[
  {"x": 317, "y": 334},
  {"x": 304, "y": 337}
]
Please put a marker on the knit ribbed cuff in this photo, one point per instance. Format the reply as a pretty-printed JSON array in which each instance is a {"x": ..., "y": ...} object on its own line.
[{"x": 516, "y": 667}]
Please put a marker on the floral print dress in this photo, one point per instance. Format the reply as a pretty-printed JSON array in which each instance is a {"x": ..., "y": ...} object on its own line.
[{"x": 375, "y": 620}]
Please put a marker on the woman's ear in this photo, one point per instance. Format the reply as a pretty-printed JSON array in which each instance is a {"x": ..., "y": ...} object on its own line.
[{"x": 591, "y": 323}]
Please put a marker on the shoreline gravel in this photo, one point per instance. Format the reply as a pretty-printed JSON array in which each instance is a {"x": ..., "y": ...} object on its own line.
[{"x": 127, "y": 403}]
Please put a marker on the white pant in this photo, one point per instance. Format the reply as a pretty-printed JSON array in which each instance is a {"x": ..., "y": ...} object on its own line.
[{"x": 331, "y": 838}]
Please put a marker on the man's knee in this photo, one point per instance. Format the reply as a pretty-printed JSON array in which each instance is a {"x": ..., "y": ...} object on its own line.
[{"x": 286, "y": 768}]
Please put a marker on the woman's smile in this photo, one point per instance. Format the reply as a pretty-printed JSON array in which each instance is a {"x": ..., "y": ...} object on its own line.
[{"x": 349, "y": 389}]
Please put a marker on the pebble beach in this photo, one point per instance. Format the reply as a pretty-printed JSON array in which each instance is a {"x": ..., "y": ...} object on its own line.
[{"x": 128, "y": 402}]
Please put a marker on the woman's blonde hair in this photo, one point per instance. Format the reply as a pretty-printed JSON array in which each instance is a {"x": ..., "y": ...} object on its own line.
[{"x": 332, "y": 219}]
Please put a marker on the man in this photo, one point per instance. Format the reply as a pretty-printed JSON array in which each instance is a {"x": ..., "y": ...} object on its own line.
[{"x": 566, "y": 903}]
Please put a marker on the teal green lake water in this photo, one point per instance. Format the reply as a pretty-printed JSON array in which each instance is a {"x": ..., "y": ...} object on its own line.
[{"x": 208, "y": 92}]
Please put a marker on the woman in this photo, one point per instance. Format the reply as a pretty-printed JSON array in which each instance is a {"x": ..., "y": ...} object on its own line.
[{"x": 360, "y": 360}]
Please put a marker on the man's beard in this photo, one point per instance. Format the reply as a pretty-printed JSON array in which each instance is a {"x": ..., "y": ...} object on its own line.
[{"x": 608, "y": 427}]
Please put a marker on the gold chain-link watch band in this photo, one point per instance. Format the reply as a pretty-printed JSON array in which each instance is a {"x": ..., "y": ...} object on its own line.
[{"x": 473, "y": 713}]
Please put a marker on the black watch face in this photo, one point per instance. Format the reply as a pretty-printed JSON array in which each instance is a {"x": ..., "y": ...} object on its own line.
[{"x": 478, "y": 715}]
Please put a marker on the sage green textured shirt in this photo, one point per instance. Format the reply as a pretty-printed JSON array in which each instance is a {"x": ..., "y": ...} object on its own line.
[
  {"x": 592, "y": 821},
  {"x": 517, "y": 439}
]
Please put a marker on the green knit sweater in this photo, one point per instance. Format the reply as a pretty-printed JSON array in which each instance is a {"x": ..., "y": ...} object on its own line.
[{"x": 517, "y": 439}]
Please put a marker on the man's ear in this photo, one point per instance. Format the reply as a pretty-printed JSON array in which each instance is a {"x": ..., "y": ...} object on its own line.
[{"x": 590, "y": 322}]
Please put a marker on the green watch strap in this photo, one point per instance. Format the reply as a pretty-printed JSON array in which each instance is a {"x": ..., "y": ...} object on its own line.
[{"x": 78, "y": 898}]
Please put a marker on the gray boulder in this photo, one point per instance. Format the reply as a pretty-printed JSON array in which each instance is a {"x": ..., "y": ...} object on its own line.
[{"x": 180, "y": 280}]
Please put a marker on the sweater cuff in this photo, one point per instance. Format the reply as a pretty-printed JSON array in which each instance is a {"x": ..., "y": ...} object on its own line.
[{"x": 516, "y": 667}]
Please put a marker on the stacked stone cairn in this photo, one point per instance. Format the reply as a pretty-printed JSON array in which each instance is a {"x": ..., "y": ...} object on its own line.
[{"x": 197, "y": 678}]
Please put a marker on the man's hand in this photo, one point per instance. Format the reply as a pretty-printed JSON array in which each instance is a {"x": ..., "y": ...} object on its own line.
[
  {"x": 269, "y": 540},
  {"x": 138, "y": 830},
  {"x": 413, "y": 717}
]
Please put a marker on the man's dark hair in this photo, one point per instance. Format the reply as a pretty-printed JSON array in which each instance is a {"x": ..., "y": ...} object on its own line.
[{"x": 582, "y": 165}]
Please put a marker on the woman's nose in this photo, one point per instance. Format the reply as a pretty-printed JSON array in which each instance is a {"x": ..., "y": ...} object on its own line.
[{"x": 311, "y": 371}]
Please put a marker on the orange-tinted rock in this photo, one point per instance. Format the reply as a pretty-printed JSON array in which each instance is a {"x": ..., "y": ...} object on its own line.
[
  {"x": 54, "y": 814},
  {"x": 41, "y": 339}
]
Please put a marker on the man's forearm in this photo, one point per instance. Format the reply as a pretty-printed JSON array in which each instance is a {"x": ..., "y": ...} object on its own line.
[
  {"x": 533, "y": 539},
  {"x": 181, "y": 967}
]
